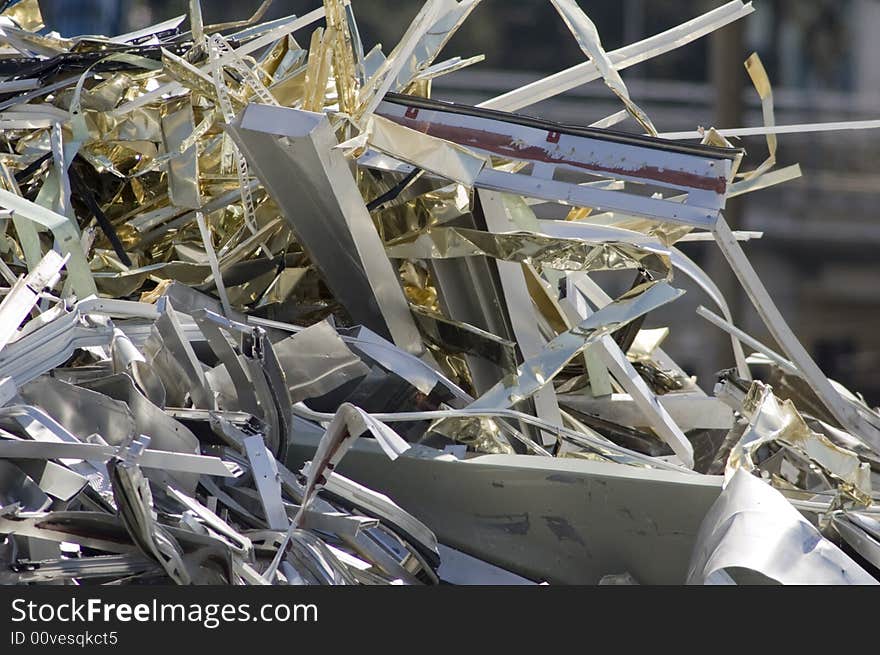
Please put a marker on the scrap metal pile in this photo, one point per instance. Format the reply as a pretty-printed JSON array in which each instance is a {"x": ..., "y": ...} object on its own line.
[{"x": 230, "y": 251}]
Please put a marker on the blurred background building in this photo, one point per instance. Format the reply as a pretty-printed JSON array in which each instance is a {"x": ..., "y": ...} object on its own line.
[{"x": 818, "y": 255}]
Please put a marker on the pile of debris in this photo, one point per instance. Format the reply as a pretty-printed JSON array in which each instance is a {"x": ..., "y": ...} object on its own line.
[{"x": 229, "y": 256}]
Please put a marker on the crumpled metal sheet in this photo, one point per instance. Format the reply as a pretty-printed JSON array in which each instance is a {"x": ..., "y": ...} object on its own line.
[
  {"x": 236, "y": 257},
  {"x": 546, "y": 251},
  {"x": 770, "y": 421}
]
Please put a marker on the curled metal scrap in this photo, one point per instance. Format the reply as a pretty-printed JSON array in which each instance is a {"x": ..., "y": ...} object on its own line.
[
  {"x": 182, "y": 316},
  {"x": 549, "y": 252}
]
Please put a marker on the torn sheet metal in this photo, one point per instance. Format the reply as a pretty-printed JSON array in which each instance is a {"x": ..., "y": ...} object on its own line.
[
  {"x": 549, "y": 252},
  {"x": 316, "y": 361},
  {"x": 752, "y": 527},
  {"x": 769, "y": 421}
]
